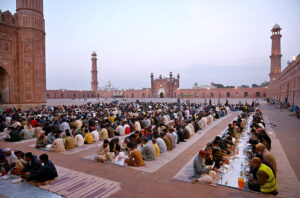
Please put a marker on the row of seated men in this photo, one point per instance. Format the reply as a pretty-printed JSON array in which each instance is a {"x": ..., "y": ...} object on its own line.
[{"x": 39, "y": 170}]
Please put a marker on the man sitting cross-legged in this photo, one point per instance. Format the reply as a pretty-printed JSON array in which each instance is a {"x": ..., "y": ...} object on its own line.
[
  {"x": 46, "y": 172},
  {"x": 135, "y": 156},
  {"x": 103, "y": 152},
  {"x": 200, "y": 170}
]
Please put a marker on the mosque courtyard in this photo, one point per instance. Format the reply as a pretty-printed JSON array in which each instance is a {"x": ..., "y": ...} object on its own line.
[{"x": 160, "y": 178}]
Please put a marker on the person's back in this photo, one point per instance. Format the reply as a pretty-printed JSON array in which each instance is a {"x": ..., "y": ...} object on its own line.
[
  {"x": 136, "y": 158},
  {"x": 120, "y": 130},
  {"x": 103, "y": 134},
  {"x": 37, "y": 131},
  {"x": 57, "y": 145},
  {"x": 88, "y": 138},
  {"x": 26, "y": 134},
  {"x": 168, "y": 143},
  {"x": 175, "y": 137},
  {"x": 270, "y": 159},
  {"x": 79, "y": 141},
  {"x": 78, "y": 124},
  {"x": 190, "y": 130},
  {"x": 148, "y": 151},
  {"x": 15, "y": 136},
  {"x": 127, "y": 129},
  {"x": 110, "y": 132},
  {"x": 137, "y": 126},
  {"x": 162, "y": 145},
  {"x": 50, "y": 138},
  {"x": 172, "y": 140},
  {"x": 69, "y": 143},
  {"x": 186, "y": 133},
  {"x": 157, "y": 149},
  {"x": 95, "y": 135}
]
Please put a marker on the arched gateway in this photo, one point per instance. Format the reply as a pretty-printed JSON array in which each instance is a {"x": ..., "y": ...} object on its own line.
[{"x": 4, "y": 86}]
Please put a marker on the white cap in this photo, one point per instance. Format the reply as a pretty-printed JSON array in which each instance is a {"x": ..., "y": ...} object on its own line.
[{"x": 7, "y": 149}]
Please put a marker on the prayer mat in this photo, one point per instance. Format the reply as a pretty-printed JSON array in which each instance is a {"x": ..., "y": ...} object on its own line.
[{"x": 70, "y": 183}]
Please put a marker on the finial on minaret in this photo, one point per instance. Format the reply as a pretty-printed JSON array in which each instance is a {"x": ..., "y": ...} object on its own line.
[{"x": 94, "y": 54}]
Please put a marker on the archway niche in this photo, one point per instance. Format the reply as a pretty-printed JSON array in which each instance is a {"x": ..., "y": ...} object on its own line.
[{"x": 4, "y": 86}]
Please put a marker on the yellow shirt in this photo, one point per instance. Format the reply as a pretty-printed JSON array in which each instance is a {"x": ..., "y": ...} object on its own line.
[
  {"x": 157, "y": 149},
  {"x": 111, "y": 119},
  {"x": 88, "y": 138}
]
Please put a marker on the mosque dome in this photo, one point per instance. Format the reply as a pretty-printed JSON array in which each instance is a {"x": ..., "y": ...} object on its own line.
[{"x": 276, "y": 26}]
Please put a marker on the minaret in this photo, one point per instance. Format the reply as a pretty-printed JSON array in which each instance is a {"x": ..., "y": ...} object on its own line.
[
  {"x": 152, "y": 82},
  {"x": 31, "y": 52},
  {"x": 178, "y": 76},
  {"x": 171, "y": 76},
  {"x": 275, "y": 54},
  {"x": 152, "y": 79},
  {"x": 94, "y": 71}
]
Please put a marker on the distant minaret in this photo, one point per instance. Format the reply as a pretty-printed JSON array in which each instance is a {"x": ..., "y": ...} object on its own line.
[
  {"x": 94, "y": 71},
  {"x": 276, "y": 53}
]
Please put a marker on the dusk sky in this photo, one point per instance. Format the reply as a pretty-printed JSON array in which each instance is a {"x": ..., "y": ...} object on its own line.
[{"x": 226, "y": 42}]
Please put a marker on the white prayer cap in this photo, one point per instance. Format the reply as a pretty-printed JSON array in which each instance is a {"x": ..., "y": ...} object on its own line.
[{"x": 7, "y": 149}]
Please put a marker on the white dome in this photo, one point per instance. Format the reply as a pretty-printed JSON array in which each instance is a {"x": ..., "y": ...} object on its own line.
[
  {"x": 94, "y": 53},
  {"x": 276, "y": 26}
]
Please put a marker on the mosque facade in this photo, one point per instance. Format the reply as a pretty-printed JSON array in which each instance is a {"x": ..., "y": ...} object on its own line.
[{"x": 23, "y": 69}]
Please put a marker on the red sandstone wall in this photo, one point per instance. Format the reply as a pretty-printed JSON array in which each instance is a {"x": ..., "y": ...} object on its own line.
[
  {"x": 22, "y": 52},
  {"x": 223, "y": 93},
  {"x": 59, "y": 94},
  {"x": 287, "y": 85},
  {"x": 8, "y": 54}
]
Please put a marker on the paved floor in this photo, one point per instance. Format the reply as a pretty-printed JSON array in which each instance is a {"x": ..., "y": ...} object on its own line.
[
  {"x": 161, "y": 183},
  {"x": 287, "y": 130}
]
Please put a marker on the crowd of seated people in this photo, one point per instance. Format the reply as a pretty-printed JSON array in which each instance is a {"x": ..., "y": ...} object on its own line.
[
  {"x": 263, "y": 169},
  {"x": 39, "y": 170},
  {"x": 150, "y": 126},
  {"x": 155, "y": 132},
  {"x": 209, "y": 160},
  {"x": 92, "y": 122}
]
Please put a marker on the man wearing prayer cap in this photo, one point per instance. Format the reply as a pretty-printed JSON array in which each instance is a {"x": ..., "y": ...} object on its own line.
[
  {"x": 267, "y": 156},
  {"x": 10, "y": 159}
]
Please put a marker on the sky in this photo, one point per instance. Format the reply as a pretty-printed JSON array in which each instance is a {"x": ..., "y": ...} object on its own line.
[{"x": 218, "y": 41}]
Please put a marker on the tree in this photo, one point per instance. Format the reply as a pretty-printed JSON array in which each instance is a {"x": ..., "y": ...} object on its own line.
[
  {"x": 219, "y": 85},
  {"x": 264, "y": 84},
  {"x": 254, "y": 85},
  {"x": 245, "y": 86}
]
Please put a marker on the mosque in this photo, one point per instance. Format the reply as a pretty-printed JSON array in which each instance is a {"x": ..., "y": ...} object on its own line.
[{"x": 23, "y": 76}]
